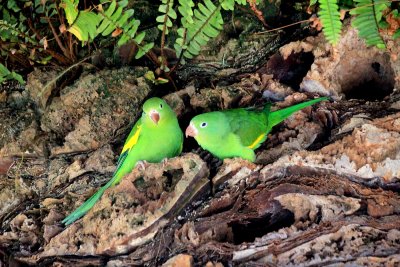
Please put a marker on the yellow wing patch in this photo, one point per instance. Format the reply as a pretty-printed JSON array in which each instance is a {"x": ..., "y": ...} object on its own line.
[
  {"x": 256, "y": 141},
  {"x": 133, "y": 140}
]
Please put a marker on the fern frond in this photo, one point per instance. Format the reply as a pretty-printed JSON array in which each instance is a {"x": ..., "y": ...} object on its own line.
[
  {"x": 330, "y": 18},
  {"x": 8, "y": 31},
  {"x": 368, "y": 15},
  {"x": 114, "y": 20},
  {"x": 185, "y": 8},
  {"x": 207, "y": 23},
  {"x": 168, "y": 14}
]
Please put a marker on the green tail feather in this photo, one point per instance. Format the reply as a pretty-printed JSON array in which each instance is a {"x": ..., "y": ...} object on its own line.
[
  {"x": 278, "y": 116},
  {"x": 85, "y": 207}
]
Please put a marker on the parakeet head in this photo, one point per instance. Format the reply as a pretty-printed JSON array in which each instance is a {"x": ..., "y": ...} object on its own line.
[
  {"x": 208, "y": 127},
  {"x": 156, "y": 112}
]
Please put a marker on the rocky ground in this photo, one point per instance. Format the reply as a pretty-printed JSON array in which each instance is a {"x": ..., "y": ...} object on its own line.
[{"x": 323, "y": 191}]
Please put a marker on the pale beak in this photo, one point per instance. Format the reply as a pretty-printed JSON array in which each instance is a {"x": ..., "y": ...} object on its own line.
[
  {"x": 191, "y": 131},
  {"x": 154, "y": 116}
]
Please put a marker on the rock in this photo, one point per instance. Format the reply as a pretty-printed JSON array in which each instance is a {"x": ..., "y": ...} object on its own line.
[
  {"x": 24, "y": 231},
  {"x": 109, "y": 99},
  {"x": 372, "y": 150},
  {"x": 212, "y": 264},
  {"x": 9, "y": 196},
  {"x": 180, "y": 260},
  {"x": 131, "y": 213},
  {"x": 340, "y": 245},
  {"x": 351, "y": 69},
  {"x": 20, "y": 134},
  {"x": 326, "y": 208},
  {"x": 41, "y": 83},
  {"x": 224, "y": 97}
]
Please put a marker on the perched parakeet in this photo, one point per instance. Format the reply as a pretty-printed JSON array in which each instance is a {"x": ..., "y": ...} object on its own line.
[
  {"x": 237, "y": 132},
  {"x": 155, "y": 137}
]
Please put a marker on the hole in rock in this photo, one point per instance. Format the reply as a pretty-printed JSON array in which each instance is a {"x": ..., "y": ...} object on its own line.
[
  {"x": 370, "y": 90},
  {"x": 366, "y": 80},
  {"x": 290, "y": 71},
  {"x": 171, "y": 179},
  {"x": 250, "y": 230}
]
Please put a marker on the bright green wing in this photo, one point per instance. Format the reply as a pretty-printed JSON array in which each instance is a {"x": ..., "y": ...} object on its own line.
[
  {"x": 249, "y": 125},
  {"x": 130, "y": 142}
]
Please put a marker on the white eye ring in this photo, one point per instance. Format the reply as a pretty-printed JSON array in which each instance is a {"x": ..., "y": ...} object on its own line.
[
  {"x": 160, "y": 105},
  {"x": 203, "y": 124}
]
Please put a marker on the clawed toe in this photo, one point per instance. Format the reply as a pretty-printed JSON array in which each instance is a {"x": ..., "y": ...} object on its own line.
[
  {"x": 164, "y": 162},
  {"x": 141, "y": 165}
]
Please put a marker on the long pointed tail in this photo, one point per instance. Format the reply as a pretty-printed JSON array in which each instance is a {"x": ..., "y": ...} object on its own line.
[
  {"x": 279, "y": 115},
  {"x": 85, "y": 207}
]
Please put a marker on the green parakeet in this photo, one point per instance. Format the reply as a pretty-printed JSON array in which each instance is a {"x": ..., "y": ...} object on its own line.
[
  {"x": 237, "y": 132},
  {"x": 155, "y": 137}
]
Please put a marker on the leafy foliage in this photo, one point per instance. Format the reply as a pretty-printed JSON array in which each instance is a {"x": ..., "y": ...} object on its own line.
[
  {"x": 168, "y": 14},
  {"x": 200, "y": 25},
  {"x": 5, "y": 74},
  {"x": 369, "y": 18},
  {"x": 19, "y": 40},
  {"x": 113, "y": 20},
  {"x": 330, "y": 18},
  {"x": 193, "y": 24},
  {"x": 207, "y": 23},
  {"x": 15, "y": 32},
  {"x": 368, "y": 15},
  {"x": 83, "y": 24}
]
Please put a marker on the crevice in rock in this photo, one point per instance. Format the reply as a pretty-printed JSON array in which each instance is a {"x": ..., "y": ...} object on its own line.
[{"x": 248, "y": 231}]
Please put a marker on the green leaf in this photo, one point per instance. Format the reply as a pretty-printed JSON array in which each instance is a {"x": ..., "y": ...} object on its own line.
[
  {"x": 139, "y": 38},
  {"x": 85, "y": 26},
  {"x": 143, "y": 50},
  {"x": 71, "y": 10},
  {"x": 163, "y": 8},
  {"x": 172, "y": 14},
  {"x": 5, "y": 74}
]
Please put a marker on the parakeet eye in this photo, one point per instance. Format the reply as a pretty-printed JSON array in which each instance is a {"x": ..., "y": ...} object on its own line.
[
  {"x": 203, "y": 124},
  {"x": 160, "y": 105}
]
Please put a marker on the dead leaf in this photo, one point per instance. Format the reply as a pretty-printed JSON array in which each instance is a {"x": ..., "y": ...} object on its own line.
[
  {"x": 315, "y": 23},
  {"x": 45, "y": 44},
  {"x": 117, "y": 32},
  {"x": 62, "y": 28},
  {"x": 343, "y": 14}
]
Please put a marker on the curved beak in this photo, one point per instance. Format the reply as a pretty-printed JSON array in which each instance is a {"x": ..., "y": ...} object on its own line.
[
  {"x": 154, "y": 116},
  {"x": 191, "y": 131}
]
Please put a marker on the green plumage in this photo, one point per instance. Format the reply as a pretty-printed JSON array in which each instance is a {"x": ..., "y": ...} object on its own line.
[
  {"x": 154, "y": 137},
  {"x": 237, "y": 132}
]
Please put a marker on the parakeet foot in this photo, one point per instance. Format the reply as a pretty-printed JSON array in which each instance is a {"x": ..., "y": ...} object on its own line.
[{"x": 142, "y": 164}]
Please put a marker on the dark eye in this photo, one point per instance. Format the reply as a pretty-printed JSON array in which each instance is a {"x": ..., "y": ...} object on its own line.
[
  {"x": 160, "y": 105},
  {"x": 203, "y": 124}
]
